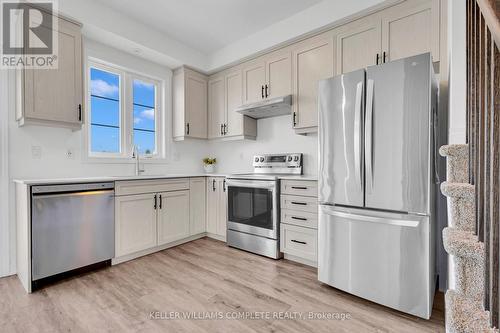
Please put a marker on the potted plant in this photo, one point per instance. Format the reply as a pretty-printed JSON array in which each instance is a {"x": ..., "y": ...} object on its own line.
[{"x": 209, "y": 164}]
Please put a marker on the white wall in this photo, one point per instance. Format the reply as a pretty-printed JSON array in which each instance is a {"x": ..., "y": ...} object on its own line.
[{"x": 458, "y": 71}]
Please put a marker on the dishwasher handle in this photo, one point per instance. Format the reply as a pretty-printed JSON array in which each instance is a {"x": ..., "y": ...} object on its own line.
[{"x": 74, "y": 194}]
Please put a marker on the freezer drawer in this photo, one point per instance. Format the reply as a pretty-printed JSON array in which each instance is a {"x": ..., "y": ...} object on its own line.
[{"x": 382, "y": 257}]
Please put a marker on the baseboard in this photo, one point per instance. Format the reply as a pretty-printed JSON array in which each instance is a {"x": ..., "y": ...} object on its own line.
[
  {"x": 301, "y": 260},
  {"x": 119, "y": 260},
  {"x": 218, "y": 237}
]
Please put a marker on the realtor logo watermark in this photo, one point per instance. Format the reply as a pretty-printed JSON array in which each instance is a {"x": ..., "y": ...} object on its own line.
[{"x": 29, "y": 34}]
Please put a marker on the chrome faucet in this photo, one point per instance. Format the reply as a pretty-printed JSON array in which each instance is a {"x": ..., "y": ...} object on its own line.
[{"x": 135, "y": 154}]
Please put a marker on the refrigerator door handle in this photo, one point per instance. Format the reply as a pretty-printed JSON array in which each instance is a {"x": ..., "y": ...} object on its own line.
[
  {"x": 368, "y": 135},
  {"x": 373, "y": 219},
  {"x": 357, "y": 133}
]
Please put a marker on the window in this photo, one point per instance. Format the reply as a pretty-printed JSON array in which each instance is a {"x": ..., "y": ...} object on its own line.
[
  {"x": 105, "y": 111},
  {"x": 124, "y": 111},
  {"x": 144, "y": 117}
]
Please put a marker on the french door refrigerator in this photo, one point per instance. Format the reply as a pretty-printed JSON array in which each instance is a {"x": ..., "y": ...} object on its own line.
[{"x": 377, "y": 183}]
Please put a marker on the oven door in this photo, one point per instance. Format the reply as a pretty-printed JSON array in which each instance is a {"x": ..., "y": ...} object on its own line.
[{"x": 252, "y": 207}]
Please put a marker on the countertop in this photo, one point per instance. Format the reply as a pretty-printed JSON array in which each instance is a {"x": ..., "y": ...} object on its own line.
[{"x": 37, "y": 181}]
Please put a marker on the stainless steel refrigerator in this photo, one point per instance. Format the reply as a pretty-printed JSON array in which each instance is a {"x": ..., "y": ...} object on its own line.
[{"x": 377, "y": 130}]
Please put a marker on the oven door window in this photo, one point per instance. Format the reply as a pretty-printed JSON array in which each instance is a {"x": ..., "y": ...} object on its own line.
[{"x": 250, "y": 206}]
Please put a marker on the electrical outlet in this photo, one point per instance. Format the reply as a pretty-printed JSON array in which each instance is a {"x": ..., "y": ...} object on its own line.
[
  {"x": 70, "y": 154},
  {"x": 36, "y": 152}
]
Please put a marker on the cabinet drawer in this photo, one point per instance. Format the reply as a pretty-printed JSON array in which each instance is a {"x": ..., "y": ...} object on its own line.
[
  {"x": 299, "y": 241},
  {"x": 151, "y": 186},
  {"x": 300, "y": 218},
  {"x": 299, "y": 187},
  {"x": 304, "y": 204}
]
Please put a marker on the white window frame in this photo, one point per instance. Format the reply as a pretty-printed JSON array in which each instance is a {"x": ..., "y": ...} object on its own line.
[{"x": 126, "y": 79}]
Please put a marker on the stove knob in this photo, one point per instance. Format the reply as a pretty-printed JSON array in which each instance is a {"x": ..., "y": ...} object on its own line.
[
  {"x": 289, "y": 158},
  {"x": 256, "y": 159},
  {"x": 296, "y": 158},
  {"x": 262, "y": 159}
]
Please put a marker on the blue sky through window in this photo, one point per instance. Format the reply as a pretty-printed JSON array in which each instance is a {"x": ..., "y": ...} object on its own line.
[
  {"x": 105, "y": 111},
  {"x": 144, "y": 116}
]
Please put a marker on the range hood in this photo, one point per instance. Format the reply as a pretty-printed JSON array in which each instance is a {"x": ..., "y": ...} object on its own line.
[{"x": 273, "y": 107}]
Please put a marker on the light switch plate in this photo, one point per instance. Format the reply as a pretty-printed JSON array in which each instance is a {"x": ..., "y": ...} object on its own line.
[{"x": 36, "y": 152}]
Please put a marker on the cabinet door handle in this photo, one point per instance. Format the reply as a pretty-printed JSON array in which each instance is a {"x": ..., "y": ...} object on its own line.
[
  {"x": 224, "y": 185},
  {"x": 225, "y": 129},
  {"x": 299, "y": 203},
  {"x": 297, "y": 241},
  {"x": 187, "y": 128},
  {"x": 262, "y": 91},
  {"x": 385, "y": 57},
  {"x": 213, "y": 185},
  {"x": 267, "y": 94},
  {"x": 221, "y": 129},
  {"x": 377, "y": 59},
  {"x": 160, "y": 201},
  {"x": 156, "y": 202},
  {"x": 299, "y": 188},
  {"x": 296, "y": 218},
  {"x": 79, "y": 112},
  {"x": 294, "y": 119}
]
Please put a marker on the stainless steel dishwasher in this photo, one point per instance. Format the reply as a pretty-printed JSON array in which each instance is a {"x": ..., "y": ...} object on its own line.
[{"x": 72, "y": 226}]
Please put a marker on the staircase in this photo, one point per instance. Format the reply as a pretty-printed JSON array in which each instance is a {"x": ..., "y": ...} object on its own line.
[{"x": 464, "y": 304}]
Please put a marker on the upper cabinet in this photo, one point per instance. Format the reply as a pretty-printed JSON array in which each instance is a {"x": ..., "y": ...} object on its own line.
[
  {"x": 411, "y": 28},
  {"x": 267, "y": 77},
  {"x": 53, "y": 97},
  {"x": 225, "y": 94},
  {"x": 190, "y": 94},
  {"x": 312, "y": 62},
  {"x": 358, "y": 44},
  {"x": 404, "y": 30}
]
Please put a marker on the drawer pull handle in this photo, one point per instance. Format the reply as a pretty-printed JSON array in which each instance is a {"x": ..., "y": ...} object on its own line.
[
  {"x": 299, "y": 187},
  {"x": 299, "y": 218},
  {"x": 297, "y": 241},
  {"x": 299, "y": 203}
]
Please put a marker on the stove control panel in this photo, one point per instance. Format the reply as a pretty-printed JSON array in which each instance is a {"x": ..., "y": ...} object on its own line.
[{"x": 290, "y": 163}]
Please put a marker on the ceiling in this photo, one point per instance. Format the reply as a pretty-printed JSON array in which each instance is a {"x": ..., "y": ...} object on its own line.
[{"x": 208, "y": 25}]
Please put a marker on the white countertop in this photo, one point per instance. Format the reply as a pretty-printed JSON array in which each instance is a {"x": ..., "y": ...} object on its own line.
[{"x": 37, "y": 181}]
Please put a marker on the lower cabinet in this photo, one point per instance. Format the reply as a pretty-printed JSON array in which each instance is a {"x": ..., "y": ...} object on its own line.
[
  {"x": 173, "y": 216},
  {"x": 135, "y": 223},
  {"x": 299, "y": 221},
  {"x": 144, "y": 221},
  {"x": 216, "y": 207}
]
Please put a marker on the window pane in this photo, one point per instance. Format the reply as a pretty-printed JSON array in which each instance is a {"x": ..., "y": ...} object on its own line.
[
  {"x": 105, "y": 111},
  {"x": 144, "y": 117},
  {"x": 105, "y": 139},
  {"x": 104, "y": 84},
  {"x": 145, "y": 141},
  {"x": 144, "y": 93}
]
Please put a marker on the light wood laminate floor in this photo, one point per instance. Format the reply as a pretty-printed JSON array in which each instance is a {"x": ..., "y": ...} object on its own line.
[{"x": 208, "y": 278}]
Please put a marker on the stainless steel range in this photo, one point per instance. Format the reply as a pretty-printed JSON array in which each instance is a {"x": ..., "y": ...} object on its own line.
[{"x": 253, "y": 204}]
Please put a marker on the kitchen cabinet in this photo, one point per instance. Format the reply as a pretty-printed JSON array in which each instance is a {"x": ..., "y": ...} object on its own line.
[
  {"x": 216, "y": 107},
  {"x": 216, "y": 207},
  {"x": 411, "y": 28},
  {"x": 299, "y": 221},
  {"x": 54, "y": 97},
  {"x": 135, "y": 226},
  {"x": 152, "y": 213},
  {"x": 312, "y": 62},
  {"x": 407, "y": 29},
  {"x": 225, "y": 95},
  {"x": 190, "y": 100},
  {"x": 197, "y": 206},
  {"x": 173, "y": 216},
  {"x": 358, "y": 45},
  {"x": 267, "y": 77}
]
